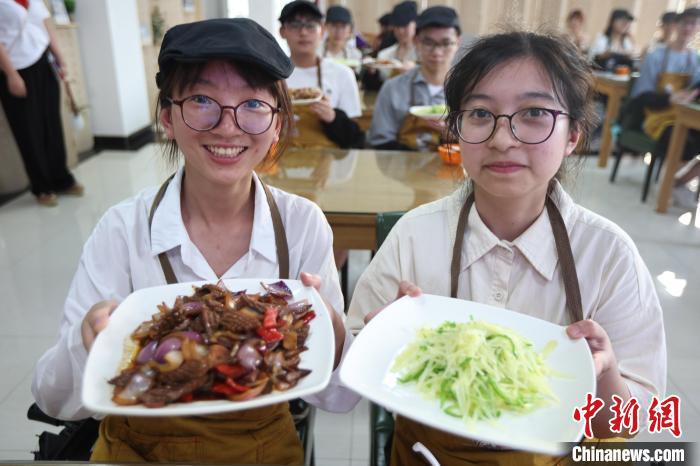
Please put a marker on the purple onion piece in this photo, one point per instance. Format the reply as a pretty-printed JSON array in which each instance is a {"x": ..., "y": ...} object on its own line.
[
  {"x": 165, "y": 347},
  {"x": 299, "y": 307},
  {"x": 193, "y": 306},
  {"x": 147, "y": 353},
  {"x": 138, "y": 385},
  {"x": 279, "y": 289},
  {"x": 248, "y": 356}
]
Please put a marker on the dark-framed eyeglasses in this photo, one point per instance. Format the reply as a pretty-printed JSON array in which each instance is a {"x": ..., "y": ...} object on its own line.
[
  {"x": 202, "y": 113},
  {"x": 295, "y": 25},
  {"x": 432, "y": 45},
  {"x": 532, "y": 125}
]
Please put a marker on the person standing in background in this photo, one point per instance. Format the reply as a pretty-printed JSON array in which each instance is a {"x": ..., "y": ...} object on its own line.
[
  {"x": 328, "y": 122},
  {"x": 386, "y": 34},
  {"x": 575, "y": 24},
  {"x": 30, "y": 96}
]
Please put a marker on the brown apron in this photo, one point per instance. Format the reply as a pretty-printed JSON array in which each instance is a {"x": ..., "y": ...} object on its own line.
[
  {"x": 656, "y": 121},
  {"x": 257, "y": 436},
  {"x": 415, "y": 132},
  {"x": 307, "y": 131},
  {"x": 449, "y": 449}
]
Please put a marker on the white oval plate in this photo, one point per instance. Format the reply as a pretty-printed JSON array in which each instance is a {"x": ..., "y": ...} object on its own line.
[
  {"x": 422, "y": 111},
  {"x": 107, "y": 352},
  {"x": 366, "y": 370}
]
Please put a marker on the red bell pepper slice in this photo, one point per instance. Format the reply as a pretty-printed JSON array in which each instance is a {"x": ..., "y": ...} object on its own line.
[
  {"x": 270, "y": 335},
  {"x": 231, "y": 370},
  {"x": 237, "y": 387},
  {"x": 308, "y": 316},
  {"x": 186, "y": 397},
  {"x": 270, "y": 317}
]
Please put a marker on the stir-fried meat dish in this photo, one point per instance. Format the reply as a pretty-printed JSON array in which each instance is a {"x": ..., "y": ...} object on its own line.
[
  {"x": 304, "y": 93},
  {"x": 217, "y": 344}
]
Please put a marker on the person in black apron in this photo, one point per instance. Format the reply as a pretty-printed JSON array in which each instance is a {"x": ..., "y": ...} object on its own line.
[
  {"x": 223, "y": 106},
  {"x": 512, "y": 237}
]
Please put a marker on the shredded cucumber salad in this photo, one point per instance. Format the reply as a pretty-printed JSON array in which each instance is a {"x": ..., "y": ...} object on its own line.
[{"x": 477, "y": 370}]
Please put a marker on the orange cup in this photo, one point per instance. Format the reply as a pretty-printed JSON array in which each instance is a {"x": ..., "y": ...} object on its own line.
[
  {"x": 622, "y": 70},
  {"x": 449, "y": 153}
]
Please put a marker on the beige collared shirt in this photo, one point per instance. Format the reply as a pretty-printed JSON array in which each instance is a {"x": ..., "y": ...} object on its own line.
[
  {"x": 121, "y": 256},
  {"x": 617, "y": 290}
]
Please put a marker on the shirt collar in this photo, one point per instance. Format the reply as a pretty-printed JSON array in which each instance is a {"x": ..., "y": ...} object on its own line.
[
  {"x": 168, "y": 230},
  {"x": 536, "y": 243}
]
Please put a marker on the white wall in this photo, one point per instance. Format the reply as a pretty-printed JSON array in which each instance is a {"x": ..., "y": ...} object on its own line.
[
  {"x": 113, "y": 62},
  {"x": 266, "y": 13}
]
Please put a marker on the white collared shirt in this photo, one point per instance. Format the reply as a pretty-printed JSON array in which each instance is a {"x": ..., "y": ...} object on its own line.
[
  {"x": 22, "y": 31},
  {"x": 617, "y": 290},
  {"x": 122, "y": 256}
]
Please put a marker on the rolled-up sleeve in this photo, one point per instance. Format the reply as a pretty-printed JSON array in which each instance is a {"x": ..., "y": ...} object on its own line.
[{"x": 630, "y": 313}]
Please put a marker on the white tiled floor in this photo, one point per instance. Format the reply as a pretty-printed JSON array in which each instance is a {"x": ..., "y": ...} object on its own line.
[{"x": 39, "y": 250}]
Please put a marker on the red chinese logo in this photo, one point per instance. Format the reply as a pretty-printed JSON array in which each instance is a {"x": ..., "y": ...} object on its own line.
[
  {"x": 626, "y": 416},
  {"x": 665, "y": 415},
  {"x": 593, "y": 405}
]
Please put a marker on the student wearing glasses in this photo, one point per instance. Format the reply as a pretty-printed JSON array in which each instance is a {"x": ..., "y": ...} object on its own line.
[
  {"x": 224, "y": 108},
  {"x": 512, "y": 237},
  {"x": 393, "y": 127},
  {"x": 328, "y": 122}
]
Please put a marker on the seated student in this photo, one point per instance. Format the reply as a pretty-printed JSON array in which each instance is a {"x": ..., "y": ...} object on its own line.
[
  {"x": 403, "y": 20},
  {"x": 393, "y": 127},
  {"x": 340, "y": 43},
  {"x": 667, "y": 27},
  {"x": 224, "y": 108},
  {"x": 666, "y": 75},
  {"x": 328, "y": 122},
  {"x": 512, "y": 237},
  {"x": 615, "y": 45}
]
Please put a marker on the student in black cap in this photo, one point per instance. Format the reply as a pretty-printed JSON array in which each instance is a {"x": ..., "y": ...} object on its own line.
[
  {"x": 340, "y": 41},
  {"x": 615, "y": 41},
  {"x": 224, "y": 109},
  {"x": 393, "y": 127},
  {"x": 386, "y": 34},
  {"x": 403, "y": 19},
  {"x": 329, "y": 121}
]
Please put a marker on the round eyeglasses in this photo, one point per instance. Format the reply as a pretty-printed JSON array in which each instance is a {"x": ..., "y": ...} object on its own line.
[
  {"x": 529, "y": 126},
  {"x": 202, "y": 113}
]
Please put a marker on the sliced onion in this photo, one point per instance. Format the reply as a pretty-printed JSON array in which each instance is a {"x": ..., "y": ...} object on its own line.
[
  {"x": 147, "y": 353},
  {"x": 138, "y": 385},
  {"x": 250, "y": 393},
  {"x": 166, "y": 346},
  {"x": 187, "y": 334},
  {"x": 248, "y": 356},
  {"x": 173, "y": 360},
  {"x": 192, "y": 306}
]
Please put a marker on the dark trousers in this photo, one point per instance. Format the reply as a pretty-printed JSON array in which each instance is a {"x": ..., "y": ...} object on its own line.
[{"x": 35, "y": 121}]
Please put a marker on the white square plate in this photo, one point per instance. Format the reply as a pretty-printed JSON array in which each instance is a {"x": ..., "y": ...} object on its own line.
[
  {"x": 107, "y": 352},
  {"x": 366, "y": 370}
]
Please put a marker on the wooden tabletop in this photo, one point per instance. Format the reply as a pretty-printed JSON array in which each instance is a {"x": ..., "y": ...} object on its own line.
[
  {"x": 615, "y": 87},
  {"x": 687, "y": 116},
  {"x": 352, "y": 186}
]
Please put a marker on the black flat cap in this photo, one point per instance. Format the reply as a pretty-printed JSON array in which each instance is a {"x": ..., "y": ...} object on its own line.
[
  {"x": 403, "y": 13},
  {"x": 438, "y": 16},
  {"x": 299, "y": 6},
  {"x": 338, "y": 14},
  {"x": 621, "y": 13},
  {"x": 239, "y": 39},
  {"x": 385, "y": 19},
  {"x": 689, "y": 13},
  {"x": 669, "y": 17}
]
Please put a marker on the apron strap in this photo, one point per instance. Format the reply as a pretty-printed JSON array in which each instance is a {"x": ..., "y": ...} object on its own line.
[
  {"x": 280, "y": 236},
  {"x": 319, "y": 76},
  {"x": 277, "y": 226},
  {"x": 561, "y": 240},
  {"x": 170, "y": 277}
]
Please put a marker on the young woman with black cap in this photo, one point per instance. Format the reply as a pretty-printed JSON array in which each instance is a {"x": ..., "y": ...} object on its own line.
[
  {"x": 328, "y": 122},
  {"x": 615, "y": 43},
  {"x": 223, "y": 106},
  {"x": 340, "y": 41},
  {"x": 403, "y": 20}
]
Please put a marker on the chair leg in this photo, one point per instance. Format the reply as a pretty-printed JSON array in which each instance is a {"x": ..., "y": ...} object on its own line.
[
  {"x": 616, "y": 165},
  {"x": 647, "y": 180},
  {"x": 658, "y": 162}
]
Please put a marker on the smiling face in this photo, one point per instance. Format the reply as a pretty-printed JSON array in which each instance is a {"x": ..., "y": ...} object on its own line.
[
  {"x": 502, "y": 166},
  {"x": 224, "y": 154}
]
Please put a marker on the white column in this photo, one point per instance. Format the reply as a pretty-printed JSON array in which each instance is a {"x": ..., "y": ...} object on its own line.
[
  {"x": 266, "y": 14},
  {"x": 110, "y": 42}
]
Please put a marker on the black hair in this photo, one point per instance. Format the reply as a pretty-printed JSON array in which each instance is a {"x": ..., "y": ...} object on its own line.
[
  {"x": 569, "y": 72},
  {"x": 180, "y": 76},
  {"x": 608, "y": 30}
]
